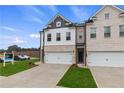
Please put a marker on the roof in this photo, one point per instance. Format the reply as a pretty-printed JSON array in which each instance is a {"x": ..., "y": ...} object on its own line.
[
  {"x": 57, "y": 16},
  {"x": 104, "y": 7}
]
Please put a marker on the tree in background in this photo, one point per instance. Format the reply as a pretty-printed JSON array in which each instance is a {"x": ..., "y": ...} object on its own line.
[
  {"x": 13, "y": 48},
  {"x": 18, "y": 49},
  {"x": 1, "y": 50}
]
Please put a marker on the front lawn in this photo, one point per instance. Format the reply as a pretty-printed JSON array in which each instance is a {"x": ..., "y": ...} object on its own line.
[
  {"x": 18, "y": 66},
  {"x": 77, "y": 77}
]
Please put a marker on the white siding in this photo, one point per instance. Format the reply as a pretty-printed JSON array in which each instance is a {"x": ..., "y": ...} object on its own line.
[{"x": 63, "y": 36}]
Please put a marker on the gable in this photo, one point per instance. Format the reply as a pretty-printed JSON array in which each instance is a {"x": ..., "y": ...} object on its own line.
[
  {"x": 104, "y": 8},
  {"x": 58, "y": 18}
]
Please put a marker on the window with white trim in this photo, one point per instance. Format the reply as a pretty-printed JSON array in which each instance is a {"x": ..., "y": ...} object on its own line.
[
  {"x": 58, "y": 24},
  {"x": 121, "y": 28},
  {"x": 58, "y": 36},
  {"x": 93, "y": 32},
  {"x": 107, "y": 31},
  {"x": 107, "y": 16},
  {"x": 49, "y": 37},
  {"x": 80, "y": 36},
  {"x": 68, "y": 35}
]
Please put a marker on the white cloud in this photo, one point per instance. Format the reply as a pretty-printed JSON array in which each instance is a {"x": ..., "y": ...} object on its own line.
[
  {"x": 34, "y": 35},
  {"x": 79, "y": 12},
  {"x": 53, "y": 8},
  {"x": 76, "y": 11},
  {"x": 9, "y": 28},
  {"x": 34, "y": 19},
  {"x": 32, "y": 10},
  {"x": 36, "y": 10},
  {"x": 18, "y": 40},
  {"x": 32, "y": 14},
  {"x": 3, "y": 37},
  {"x": 7, "y": 40}
]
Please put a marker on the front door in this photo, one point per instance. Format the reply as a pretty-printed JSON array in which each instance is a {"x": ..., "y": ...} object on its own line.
[{"x": 80, "y": 55}]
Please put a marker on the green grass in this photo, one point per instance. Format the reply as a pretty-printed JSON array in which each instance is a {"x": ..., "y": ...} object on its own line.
[
  {"x": 77, "y": 77},
  {"x": 18, "y": 66}
]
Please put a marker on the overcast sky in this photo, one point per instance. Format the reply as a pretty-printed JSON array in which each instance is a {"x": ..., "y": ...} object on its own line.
[{"x": 20, "y": 25}]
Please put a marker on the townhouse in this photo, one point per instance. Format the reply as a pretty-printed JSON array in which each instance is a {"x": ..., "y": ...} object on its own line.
[
  {"x": 63, "y": 42},
  {"x": 97, "y": 42},
  {"x": 105, "y": 37}
]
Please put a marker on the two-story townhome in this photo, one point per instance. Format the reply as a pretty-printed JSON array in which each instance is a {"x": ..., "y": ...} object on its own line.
[
  {"x": 105, "y": 37},
  {"x": 62, "y": 42}
]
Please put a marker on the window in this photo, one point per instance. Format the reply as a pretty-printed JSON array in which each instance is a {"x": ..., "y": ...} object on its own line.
[
  {"x": 121, "y": 30},
  {"x": 58, "y": 24},
  {"x": 106, "y": 16},
  {"x": 48, "y": 37},
  {"x": 93, "y": 32},
  {"x": 68, "y": 35},
  {"x": 80, "y": 36},
  {"x": 58, "y": 37},
  {"x": 107, "y": 31}
]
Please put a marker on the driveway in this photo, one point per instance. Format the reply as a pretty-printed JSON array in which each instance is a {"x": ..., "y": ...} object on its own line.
[
  {"x": 108, "y": 77},
  {"x": 42, "y": 76}
]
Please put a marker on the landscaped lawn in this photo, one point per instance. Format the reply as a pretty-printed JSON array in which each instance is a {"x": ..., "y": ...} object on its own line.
[
  {"x": 18, "y": 66},
  {"x": 77, "y": 77}
]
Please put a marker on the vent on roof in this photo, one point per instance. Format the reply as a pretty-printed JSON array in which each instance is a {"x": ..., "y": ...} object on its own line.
[
  {"x": 122, "y": 14},
  {"x": 93, "y": 18},
  {"x": 66, "y": 24},
  {"x": 49, "y": 25}
]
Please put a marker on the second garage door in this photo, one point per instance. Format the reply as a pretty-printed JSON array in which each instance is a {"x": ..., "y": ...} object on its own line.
[
  {"x": 59, "y": 58},
  {"x": 112, "y": 59}
]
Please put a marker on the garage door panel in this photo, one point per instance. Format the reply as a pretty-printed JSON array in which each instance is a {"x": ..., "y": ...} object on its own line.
[
  {"x": 58, "y": 58},
  {"x": 113, "y": 59}
]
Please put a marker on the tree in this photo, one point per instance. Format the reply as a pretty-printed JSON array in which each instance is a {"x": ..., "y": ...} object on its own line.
[
  {"x": 1, "y": 50},
  {"x": 13, "y": 48}
]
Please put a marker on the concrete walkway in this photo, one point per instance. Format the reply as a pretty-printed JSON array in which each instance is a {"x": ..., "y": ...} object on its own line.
[
  {"x": 42, "y": 76},
  {"x": 108, "y": 77}
]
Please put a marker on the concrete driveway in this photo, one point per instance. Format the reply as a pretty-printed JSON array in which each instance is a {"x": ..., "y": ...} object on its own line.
[
  {"x": 42, "y": 76},
  {"x": 108, "y": 77}
]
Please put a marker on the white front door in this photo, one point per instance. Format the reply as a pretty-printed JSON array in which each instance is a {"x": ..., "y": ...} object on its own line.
[
  {"x": 112, "y": 59},
  {"x": 59, "y": 58}
]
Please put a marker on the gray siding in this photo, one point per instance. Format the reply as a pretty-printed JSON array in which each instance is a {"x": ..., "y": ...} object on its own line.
[{"x": 58, "y": 18}]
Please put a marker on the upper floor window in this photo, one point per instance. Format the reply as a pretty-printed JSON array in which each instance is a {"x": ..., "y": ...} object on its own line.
[
  {"x": 58, "y": 24},
  {"x": 121, "y": 30},
  {"x": 107, "y": 31},
  {"x": 48, "y": 37},
  {"x": 93, "y": 32},
  {"x": 68, "y": 35},
  {"x": 80, "y": 36},
  {"x": 107, "y": 16},
  {"x": 58, "y": 37}
]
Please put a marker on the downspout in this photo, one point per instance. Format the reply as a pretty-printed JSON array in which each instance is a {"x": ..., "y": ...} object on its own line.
[
  {"x": 76, "y": 44},
  {"x": 43, "y": 47},
  {"x": 85, "y": 44},
  {"x": 40, "y": 49}
]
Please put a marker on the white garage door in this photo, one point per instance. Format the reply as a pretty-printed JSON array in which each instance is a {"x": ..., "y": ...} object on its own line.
[
  {"x": 113, "y": 59},
  {"x": 58, "y": 58}
]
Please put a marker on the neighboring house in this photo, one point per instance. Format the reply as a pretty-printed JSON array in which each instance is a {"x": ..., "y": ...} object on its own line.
[
  {"x": 63, "y": 42},
  {"x": 105, "y": 37}
]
